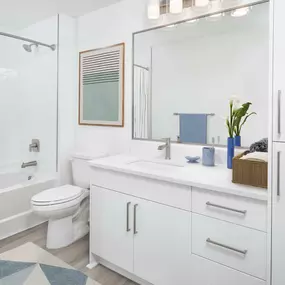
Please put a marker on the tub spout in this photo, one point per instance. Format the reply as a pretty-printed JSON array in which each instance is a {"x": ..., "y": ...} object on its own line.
[{"x": 29, "y": 164}]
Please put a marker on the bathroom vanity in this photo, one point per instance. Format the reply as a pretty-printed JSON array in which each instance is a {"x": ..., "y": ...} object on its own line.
[{"x": 167, "y": 223}]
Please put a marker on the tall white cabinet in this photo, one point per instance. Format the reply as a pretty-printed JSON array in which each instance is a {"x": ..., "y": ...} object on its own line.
[
  {"x": 278, "y": 160},
  {"x": 278, "y": 71},
  {"x": 278, "y": 215}
]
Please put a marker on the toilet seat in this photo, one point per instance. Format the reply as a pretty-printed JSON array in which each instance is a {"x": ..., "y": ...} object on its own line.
[{"x": 57, "y": 196}]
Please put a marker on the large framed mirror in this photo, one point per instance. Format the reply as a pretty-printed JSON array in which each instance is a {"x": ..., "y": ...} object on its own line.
[{"x": 185, "y": 75}]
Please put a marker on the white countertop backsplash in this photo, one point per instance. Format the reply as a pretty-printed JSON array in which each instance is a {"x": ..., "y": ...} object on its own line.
[{"x": 148, "y": 149}]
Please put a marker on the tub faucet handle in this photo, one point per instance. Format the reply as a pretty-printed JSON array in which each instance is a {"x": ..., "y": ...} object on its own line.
[{"x": 34, "y": 146}]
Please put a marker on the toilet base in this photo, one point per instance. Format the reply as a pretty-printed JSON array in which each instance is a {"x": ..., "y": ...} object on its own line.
[{"x": 64, "y": 232}]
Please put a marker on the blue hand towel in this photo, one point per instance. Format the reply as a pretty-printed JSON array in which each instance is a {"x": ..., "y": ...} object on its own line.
[{"x": 193, "y": 128}]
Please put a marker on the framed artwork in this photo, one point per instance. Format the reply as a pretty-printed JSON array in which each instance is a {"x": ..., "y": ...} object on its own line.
[{"x": 101, "y": 86}]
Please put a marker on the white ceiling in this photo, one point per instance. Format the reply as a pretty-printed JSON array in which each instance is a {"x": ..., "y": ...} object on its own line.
[{"x": 17, "y": 14}]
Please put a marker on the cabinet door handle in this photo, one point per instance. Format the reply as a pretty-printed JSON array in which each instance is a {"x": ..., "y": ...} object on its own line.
[
  {"x": 135, "y": 219},
  {"x": 279, "y": 113},
  {"x": 278, "y": 172},
  {"x": 128, "y": 216},
  {"x": 244, "y": 252},
  {"x": 226, "y": 208}
]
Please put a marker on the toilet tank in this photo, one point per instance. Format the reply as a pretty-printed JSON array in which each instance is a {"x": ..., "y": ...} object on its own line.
[{"x": 81, "y": 171}]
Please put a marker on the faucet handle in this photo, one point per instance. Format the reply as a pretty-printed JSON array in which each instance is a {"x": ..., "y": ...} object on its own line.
[{"x": 167, "y": 140}]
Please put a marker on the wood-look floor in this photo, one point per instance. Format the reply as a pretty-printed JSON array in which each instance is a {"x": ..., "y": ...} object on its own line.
[{"x": 76, "y": 255}]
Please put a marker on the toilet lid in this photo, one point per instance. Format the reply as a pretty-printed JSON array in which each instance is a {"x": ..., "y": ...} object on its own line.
[{"x": 58, "y": 195}]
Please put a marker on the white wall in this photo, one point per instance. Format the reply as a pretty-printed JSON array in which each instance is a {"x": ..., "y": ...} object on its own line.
[
  {"x": 67, "y": 94},
  {"x": 28, "y": 99},
  {"x": 108, "y": 26},
  {"x": 105, "y": 27}
]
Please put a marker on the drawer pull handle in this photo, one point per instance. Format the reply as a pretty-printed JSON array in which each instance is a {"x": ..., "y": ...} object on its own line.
[
  {"x": 135, "y": 219},
  {"x": 279, "y": 113},
  {"x": 226, "y": 208},
  {"x": 128, "y": 217},
  {"x": 244, "y": 252},
  {"x": 278, "y": 172}
]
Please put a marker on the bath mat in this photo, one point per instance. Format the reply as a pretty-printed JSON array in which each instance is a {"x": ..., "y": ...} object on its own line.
[{"x": 31, "y": 265}]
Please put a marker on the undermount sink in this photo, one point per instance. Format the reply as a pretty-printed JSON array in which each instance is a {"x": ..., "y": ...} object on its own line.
[{"x": 155, "y": 164}]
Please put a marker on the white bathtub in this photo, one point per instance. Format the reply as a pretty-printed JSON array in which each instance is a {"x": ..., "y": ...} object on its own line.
[{"x": 16, "y": 191}]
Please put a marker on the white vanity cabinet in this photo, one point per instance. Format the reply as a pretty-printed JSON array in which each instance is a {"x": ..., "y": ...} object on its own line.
[
  {"x": 142, "y": 237},
  {"x": 165, "y": 233}
]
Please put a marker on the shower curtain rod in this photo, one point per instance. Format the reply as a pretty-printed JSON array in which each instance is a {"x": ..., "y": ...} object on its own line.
[
  {"x": 52, "y": 47},
  {"x": 146, "y": 68}
]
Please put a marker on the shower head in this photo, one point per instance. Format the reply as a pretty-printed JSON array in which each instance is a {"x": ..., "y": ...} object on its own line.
[{"x": 28, "y": 48}]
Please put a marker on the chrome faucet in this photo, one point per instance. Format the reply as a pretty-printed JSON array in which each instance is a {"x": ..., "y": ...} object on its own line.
[
  {"x": 29, "y": 164},
  {"x": 167, "y": 147}
]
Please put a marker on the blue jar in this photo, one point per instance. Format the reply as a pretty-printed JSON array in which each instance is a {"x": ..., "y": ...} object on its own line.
[{"x": 208, "y": 158}]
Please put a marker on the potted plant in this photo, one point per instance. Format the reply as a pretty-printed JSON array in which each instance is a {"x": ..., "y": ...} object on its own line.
[
  {"x": 230, "y": 145},
  {"x": 235, "y": 121},
  {"x": 241, "y": 116}
]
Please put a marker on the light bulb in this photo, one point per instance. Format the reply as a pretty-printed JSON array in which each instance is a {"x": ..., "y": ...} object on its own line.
[
  {"x": 176, "y": 6},
  {"x": 240, "y": 12},
  {"x": 153, "y": 9},
  {"x": 201, "y": 3}
]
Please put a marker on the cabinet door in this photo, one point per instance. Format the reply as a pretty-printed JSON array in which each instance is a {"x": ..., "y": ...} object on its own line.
[
  {"x": 278, "y": 215},
  {"x": 111, "y": 227},
  {"x": 161, "y": 243},
  {"x": 279, "y": 72}
]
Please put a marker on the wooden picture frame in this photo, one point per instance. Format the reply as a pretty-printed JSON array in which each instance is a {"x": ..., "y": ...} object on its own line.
[{"x": 102, "y": 86}]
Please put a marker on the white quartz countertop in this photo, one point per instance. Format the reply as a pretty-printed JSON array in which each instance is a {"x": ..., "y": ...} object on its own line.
[{"x": 217, "y": 178}]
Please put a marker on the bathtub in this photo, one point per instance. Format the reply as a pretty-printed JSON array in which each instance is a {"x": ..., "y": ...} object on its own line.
[{"x": 16, "y": 191}]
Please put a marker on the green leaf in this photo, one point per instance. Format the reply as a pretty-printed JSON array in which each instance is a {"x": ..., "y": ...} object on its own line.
[{"x": 245, "y": 119}]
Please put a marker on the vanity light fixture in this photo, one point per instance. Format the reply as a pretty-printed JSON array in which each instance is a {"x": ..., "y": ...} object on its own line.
[
  {"x": 202, "y": 3},
  {"x": 153, "y": 9},
  {"x": 176, "y": 6},
  {"x": 240, "y": 12}
]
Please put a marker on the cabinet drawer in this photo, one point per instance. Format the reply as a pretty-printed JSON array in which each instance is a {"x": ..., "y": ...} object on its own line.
[
  {"x": 237, "y": 247},
  {"x": 217, "y": 274},
  {"x": 242, "y": 211},
  {"x": 150, "y": 189}
]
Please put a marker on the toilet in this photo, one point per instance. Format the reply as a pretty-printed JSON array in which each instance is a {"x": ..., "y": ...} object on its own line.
[{"x": 66, "y": 207}]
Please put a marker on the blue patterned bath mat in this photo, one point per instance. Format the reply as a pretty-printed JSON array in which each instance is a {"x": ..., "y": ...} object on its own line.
[{"x": 31, "y": 265}]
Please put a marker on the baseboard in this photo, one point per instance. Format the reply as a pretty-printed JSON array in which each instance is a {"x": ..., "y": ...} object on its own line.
[
  {"x": 19, "y": 223},
  {"x": 121, "y": 271}
]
